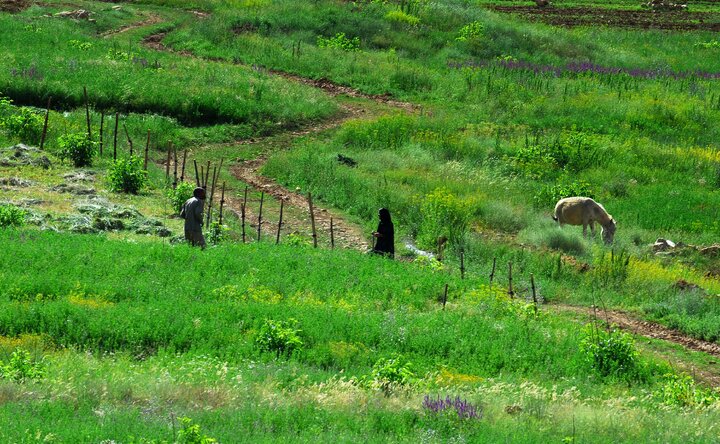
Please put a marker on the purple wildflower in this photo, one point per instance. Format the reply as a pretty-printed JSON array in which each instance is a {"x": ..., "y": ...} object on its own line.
[
  {"x": 463, "y": 408},
  {"x": 586, "y": 68}
]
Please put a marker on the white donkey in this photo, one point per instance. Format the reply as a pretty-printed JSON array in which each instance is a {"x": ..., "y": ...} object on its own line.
[{"x": 585, "y": 211}]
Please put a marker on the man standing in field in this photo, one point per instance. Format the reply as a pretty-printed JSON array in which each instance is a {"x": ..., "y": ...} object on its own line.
[{"x": 192, "y": 212}]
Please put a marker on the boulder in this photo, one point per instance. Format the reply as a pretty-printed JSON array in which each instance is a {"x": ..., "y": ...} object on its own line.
[{"x": 663, "y": 245}]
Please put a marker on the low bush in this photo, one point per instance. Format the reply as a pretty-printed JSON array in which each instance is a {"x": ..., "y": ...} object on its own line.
[
  {"x": 280, "y": 337},
  {"x": 444, "y": 215},
  {"x": 388, "y": 373},
  {"x": 681, "y": 391},
  {"x": 11, "y": 216},
  {"x": 611, "y": 353},
  {"x": 127, "y": 175},
  {"x": 339, "y": 41},
  {"x": 21, "y": 367},
  {"x": 25, "y": 124},
  {"x": 78, "y": 148},
  {"x": 179, "y": 195}
]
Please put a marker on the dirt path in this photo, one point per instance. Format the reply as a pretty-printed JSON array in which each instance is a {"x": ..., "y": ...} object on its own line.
[
  {"x": 346, "y": 234},
  {"x": 151, "y": 20},
  {"x": 653, "y": 330},
  {"x": 644, "y": 328}
]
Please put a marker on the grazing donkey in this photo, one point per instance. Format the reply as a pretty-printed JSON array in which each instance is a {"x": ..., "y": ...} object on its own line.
[{"x": 585, "y": 211}]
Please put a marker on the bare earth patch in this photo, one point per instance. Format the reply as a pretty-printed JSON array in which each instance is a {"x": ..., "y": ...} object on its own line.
[{"x": 621, "y": 18}]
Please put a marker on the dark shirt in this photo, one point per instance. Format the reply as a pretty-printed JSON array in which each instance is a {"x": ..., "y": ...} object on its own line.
[
  {"x": 386, "y": 241},
  {"x": 192, "y": 212}
]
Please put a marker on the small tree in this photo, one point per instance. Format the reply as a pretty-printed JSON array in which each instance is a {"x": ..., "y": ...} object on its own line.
[
  {"x": 127, "y": 175},
  {"x": 77, "y": 147}
]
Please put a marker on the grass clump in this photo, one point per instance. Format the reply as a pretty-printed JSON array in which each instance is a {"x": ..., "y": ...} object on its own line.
[{"x": 611, "y": 353}]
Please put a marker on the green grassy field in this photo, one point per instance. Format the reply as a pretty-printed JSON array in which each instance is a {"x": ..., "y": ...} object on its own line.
[{"x": 113, "y": 330}]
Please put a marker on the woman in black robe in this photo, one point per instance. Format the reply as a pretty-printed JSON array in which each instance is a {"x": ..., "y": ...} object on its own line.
[{"x": 385, "y": 235}]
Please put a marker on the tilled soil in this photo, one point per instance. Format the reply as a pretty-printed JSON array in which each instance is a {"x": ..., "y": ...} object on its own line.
[{"x": 621, "y": 18}]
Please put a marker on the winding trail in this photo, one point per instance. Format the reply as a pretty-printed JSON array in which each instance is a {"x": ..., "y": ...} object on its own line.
[
  {"x": 347, "y": 234},
  {"x": 351, "y": 236}
]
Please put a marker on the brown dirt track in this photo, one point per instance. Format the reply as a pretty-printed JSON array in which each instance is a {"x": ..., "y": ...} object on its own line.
[{"x": 620, "y": 18}]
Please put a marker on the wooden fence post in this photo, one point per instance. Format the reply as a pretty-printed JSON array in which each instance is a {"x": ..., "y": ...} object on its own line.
[
  {"x": 511, "y": 293},
  {"x": 127, "y": 134},
  {"x": 87, "y": 112},
  {"x": 277, "y": 237},
  {"x": 222, "y": 203},
  {"x": 262, "y": 197},
  {"x": 45, "y": 125},
  {"x": 332, "y": 234},
  {"x": 182, "y": 173},
  {"x": 147, "y": 147},
  {"x": 207, "y": 175},
  {"x": 462, "y": 264},
  {"x": 117, "y": 120},
  {"x": 532, "y": 285},
  {"x": 312, "y": 220},
  {"x": 445, "y": 296},
  {"x": 102, "y": 125},
  {"x": 242, "y": 214},
  {"x": 212, "y": 194},
  {"x": 197, "y": 176},
  {"x": 175, "y": 168},
  {"x": 492, "y": 273},
  {"x": 167, "y": 162}
]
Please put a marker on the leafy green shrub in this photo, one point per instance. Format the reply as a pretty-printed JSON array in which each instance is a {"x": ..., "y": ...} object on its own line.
[
  {"x": 713, "y": 44},
  {"x": 216, "y": 234},
  {"x": 401, "y": 17},
  {"x": 191, "y": 434},
  {"x": 11, "y": 216},
  {"x": 21, "y": 367},
  {"x": 24, "y": 124},
  {"x": 339, "y": 41},
  {"x": 444, "y": 215},
  {"x": 78, "y": 148},
  {"x": 471, "y": 31},
  {"x": 610, "y": 353},
  {"x": 681, "y": 391},
  {"x": 388, "y": 373},
  {"x": 534, "y": 162},
  {"x": 281, "y": 337},
  {"x": 127, "y": 175},
  {"x": 550, "y": 194},
  {"x": 179, "y": 195},
  {"x": 572, "y": 151}
]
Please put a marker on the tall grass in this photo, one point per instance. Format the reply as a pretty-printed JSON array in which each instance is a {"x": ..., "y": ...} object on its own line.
[{"x": 122, "y": 77}]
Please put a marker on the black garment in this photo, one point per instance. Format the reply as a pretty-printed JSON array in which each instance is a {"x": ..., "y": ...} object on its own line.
[{"x": 386, "y": 241}]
